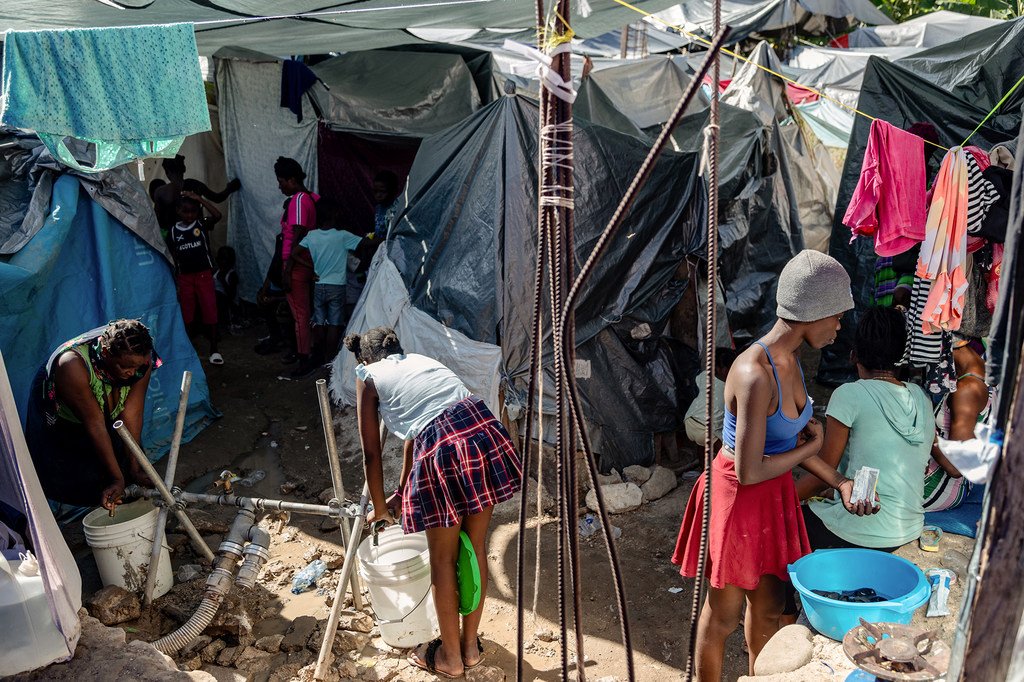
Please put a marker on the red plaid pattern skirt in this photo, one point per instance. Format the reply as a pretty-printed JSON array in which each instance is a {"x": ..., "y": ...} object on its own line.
[{"x": 463, "y": 463}]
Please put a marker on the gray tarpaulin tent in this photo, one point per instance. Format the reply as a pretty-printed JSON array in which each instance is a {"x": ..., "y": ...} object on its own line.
[
  {"x": 747, "y": 17},
  {"x": 929, "y": 30},
  {"x": 953, "y": 87},
  {"x": 256, "y": 129},
  {"x": 340, "y": 26},
  {"x": 456, "y": 274},
  {"x": 776, "y": 184}
]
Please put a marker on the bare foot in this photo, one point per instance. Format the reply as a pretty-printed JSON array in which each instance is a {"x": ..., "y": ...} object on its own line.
[
  {"x": 445, "y": 665},
  {"x": 472, "y": 653}
]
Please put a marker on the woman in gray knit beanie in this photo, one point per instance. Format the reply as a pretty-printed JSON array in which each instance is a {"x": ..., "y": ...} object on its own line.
[{"x": 757, "y": 528}]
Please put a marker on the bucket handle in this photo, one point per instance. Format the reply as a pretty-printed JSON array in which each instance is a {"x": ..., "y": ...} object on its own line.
[
  {"x": 151, "y": 540},
  {"x": 402, "y": 619}
]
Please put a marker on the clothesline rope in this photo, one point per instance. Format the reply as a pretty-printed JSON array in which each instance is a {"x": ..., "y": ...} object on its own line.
[
  {"x": 994, "y": 110},
  {"x": 787, "y": 79}
]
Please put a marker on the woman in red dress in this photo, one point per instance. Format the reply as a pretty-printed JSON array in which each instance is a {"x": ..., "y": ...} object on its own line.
[{"x": 756, "y": 527}]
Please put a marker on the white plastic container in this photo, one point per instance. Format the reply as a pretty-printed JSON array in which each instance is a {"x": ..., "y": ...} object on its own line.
[
  {"x": 122, "y": 545},
  {"x": 29, "y": 635},
  {"x": 397, "y": 575}
]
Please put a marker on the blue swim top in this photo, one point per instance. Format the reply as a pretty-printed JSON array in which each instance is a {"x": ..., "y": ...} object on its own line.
[{"x": 781, "y": 432}]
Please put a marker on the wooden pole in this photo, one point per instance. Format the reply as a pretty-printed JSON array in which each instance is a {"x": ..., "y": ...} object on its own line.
[{"x": 998, "y": 596}]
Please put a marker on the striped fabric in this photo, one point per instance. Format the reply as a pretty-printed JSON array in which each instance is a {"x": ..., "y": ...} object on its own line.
[
  {"x": 463, "y": 463},
  {"x": 922, "y": 349},
  {"x": 981, "y": 194}
]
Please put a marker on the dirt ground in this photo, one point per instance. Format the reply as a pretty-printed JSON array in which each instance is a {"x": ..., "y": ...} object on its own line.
[{"x": 273, "y": 425}]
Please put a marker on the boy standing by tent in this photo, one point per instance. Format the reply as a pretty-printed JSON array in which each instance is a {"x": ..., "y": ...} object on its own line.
[
  {"x": 190, "y": 246},
  {"x": 329, "y": 247}
]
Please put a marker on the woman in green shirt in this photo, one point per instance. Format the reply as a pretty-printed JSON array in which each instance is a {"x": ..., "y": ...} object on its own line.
[
  {"x": 87, "y": 384},
  {"x": 881, "y": 422}
]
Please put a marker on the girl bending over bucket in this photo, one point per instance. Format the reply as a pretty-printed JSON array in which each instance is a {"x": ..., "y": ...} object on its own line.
[
  {"x": 756, "y": 527},
  {"x": 459, "y": 462}
]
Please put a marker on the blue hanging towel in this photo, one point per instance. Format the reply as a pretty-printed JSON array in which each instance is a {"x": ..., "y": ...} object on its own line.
[
  {"x": 131, "y": 92},
  {"x": 296, "y": 78}
]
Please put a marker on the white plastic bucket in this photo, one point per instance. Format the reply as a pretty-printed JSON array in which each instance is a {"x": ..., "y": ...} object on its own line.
[
  {"x": 397, "y": 575},
  {"x": 122, "y": 546}
]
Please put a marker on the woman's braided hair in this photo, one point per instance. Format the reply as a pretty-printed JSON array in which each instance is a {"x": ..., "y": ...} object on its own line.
[
  {"x": 374, "y": 345},
  {"x": 126, "y": 337}
]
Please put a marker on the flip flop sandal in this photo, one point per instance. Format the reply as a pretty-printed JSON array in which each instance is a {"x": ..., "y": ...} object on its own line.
[
  {"x": 429, "y": 662},
  {"x": 216, "y": 359},
  {"x": 480, "y": 648}
]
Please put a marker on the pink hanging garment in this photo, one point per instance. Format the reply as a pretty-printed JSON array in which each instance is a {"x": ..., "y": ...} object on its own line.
[
  {"x": 889, "y": 200},
  {"x": 992, "y": 295},
  {"x": 944, "y": 249}
]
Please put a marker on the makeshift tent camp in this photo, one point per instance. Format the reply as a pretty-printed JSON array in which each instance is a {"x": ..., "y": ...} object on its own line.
[
  {"x": 953, "y": 87},
  {"x": 747, "y": 17},
  {"x": 776, "y": 184},
  {"x": 928, "y": 30},
  {"x": 814, "y": 177},
  {"x": 456, "y": 275},
  {"x": 371, "y": 24},
  {"x": 87, "y": 251},
  {"x": 375, "y": 106},
  {"x": 367, "y": 115},
  {"x": 20, "y": 489}
]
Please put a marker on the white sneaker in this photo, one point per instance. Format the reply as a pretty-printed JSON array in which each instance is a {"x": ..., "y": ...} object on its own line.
[{"x": 216, "y": 359}]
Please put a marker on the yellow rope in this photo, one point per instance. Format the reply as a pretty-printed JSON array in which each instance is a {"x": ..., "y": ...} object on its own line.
[{"x": 740, "y": 57}]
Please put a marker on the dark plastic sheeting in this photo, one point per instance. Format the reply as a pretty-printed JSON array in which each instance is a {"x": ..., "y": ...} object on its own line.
[
  {"x": 953, "y": 87},
  {"x": 465, "y": 245}
]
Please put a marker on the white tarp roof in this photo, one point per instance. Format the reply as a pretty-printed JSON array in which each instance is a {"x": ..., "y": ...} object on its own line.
[
  {"x": 929, "y": 30},
  {"x": 350, "y": 26}
]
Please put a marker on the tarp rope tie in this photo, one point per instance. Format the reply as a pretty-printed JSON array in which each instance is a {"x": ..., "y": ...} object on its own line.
[{"x": 557, "y": 155}]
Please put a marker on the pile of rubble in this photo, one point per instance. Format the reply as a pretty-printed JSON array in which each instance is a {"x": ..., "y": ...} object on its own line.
[{"x": 633, "y": 487}]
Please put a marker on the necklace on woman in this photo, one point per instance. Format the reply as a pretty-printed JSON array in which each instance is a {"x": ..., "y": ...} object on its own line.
[{"x": 886, "y": 376}]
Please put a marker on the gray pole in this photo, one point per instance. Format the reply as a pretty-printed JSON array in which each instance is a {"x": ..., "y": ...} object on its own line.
[
  {"x": 334, "y": 460},
  {"x": 172, "y": 464},
  {"x": 186, "y": 523}
]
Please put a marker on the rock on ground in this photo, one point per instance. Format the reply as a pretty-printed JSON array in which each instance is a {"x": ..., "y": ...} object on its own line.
[
  {"x": 295, "y": 639},
  {"x": 618, "y": 498},
  {"x": 788, "y": 650},
  {"x": 270, "y": 643},
  {"x": 103, "y": 654},
  {"x": 113, "y": 605},
  {"x": 661, "y": 483},
  {"x": 636, "y": 474}
]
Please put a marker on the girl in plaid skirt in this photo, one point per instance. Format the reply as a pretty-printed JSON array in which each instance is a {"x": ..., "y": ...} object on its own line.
[{"x": 458, "y": 463}]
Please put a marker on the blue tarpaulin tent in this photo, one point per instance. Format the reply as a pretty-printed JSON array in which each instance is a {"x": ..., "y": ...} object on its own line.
[{"x": 82, "y": 269}]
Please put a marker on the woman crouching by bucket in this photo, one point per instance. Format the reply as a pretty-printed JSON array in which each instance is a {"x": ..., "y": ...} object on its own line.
[{"x": 458, "y": 463}]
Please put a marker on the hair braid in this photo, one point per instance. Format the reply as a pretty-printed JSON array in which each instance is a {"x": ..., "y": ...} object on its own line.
[{"x": 127, "y": 337}]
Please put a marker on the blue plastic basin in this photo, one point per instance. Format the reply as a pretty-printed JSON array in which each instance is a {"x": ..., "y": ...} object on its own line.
[{"x": 839, "y": 570}]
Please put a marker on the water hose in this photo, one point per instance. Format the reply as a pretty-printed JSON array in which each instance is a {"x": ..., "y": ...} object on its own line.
[
  {"x": 244, "y": 539},
  {"x": 217, "y": 586}
]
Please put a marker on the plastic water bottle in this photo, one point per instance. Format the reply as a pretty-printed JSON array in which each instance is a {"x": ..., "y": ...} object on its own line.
[
  {"x": 188, "y": 572},
  {"x": 252, "y": 479},
  {"x": 308, "y": 576},
  {"x": 591, "y": 525}
]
